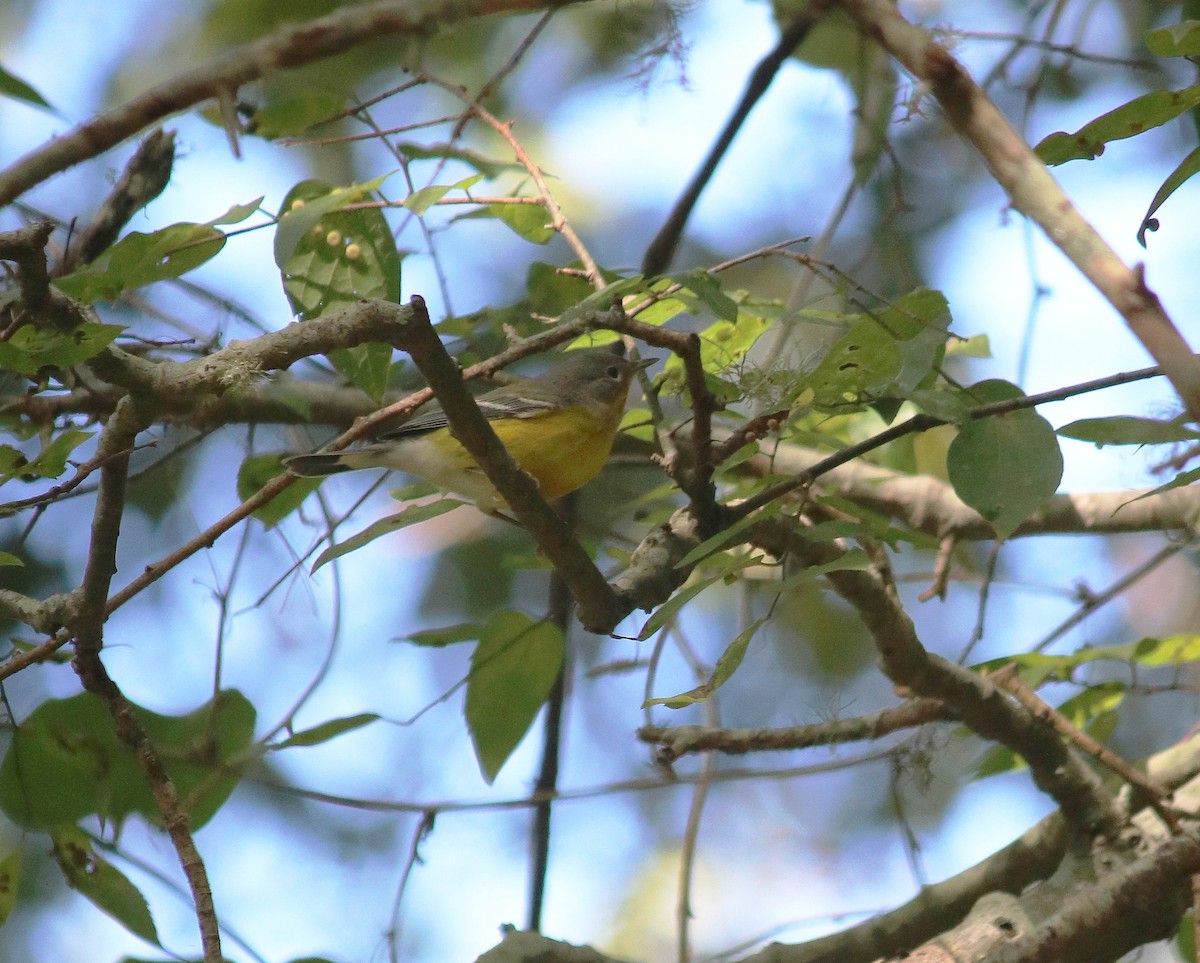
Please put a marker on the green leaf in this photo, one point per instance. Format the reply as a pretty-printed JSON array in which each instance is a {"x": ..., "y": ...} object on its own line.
[
  {"x": 707, "y": 288},
  {"x": 485, "y": 165},
  {"x": 726, "y": 665},
  {"x": 291, "y": 113},
  {"x": 439, "y": 638},
  {"x": 50, "y": 462},
  {"x": 14, "y": 87},
  {"x": 140, "y": 259},
  {"x": 859, "y": 367},
  {"x": 1178, "y": 40},
  {"x": 529, "y": 221},
  {"x": 327, "y": 730},
  {"x": 8, "y": 559},
  {"x": 385, "y": 526},
  {"x": 30, "y": 349},
  {"x": 1128, "y": 430},
  {"x": 716, "y": 543},
  {"x": 366, "y": 366},
  {"x": 105, "y": 886},
  {"x": 1007, "y": 466},
  {"x": 256, "y": 471},
  {"x": 1182, "y": 480},
  {"x": 513, "y": 670},
  {"x": 422, "y": 199},
  {"x": 976, "y": 346},
  {"x": 306, "y": 205},
  {"x": 330, "y": 258},
  {"x": 1139, "y": 115},
  {"x": 65, "y": 762},
  {"x": 919, "y": 321},
  {"x": 1186, "y": 169},
  {"x": 10, "y": 878},
  {"x": 665, "y": 612}
]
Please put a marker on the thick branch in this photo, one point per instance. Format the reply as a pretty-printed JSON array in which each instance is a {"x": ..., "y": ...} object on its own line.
[
  {"x": 292, "y": 46},
  {"x": 87, "y": 626},
  {"x": 930, "y": 505},
  {"x": 981, "y": 705}
]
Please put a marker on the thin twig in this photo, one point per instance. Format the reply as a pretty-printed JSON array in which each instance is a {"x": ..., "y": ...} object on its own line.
[{"x": 662, "y": 249}]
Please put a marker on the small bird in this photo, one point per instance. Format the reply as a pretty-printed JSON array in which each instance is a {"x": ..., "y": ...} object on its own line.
[{"x": 559, "y": 427}]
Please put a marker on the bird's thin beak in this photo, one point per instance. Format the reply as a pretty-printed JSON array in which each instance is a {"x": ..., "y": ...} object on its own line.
[{"x": 643, "y": 363}]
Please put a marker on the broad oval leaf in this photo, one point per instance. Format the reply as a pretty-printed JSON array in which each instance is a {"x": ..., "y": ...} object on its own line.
[
  {"x": 512, "y": 672},
  {"x": 1006, "y": 466}
]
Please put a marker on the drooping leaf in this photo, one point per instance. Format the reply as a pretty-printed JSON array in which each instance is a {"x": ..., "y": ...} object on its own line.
[
  {"x": 1128, "y": 430},
  {"x": 485, "y": 165},
  {"x": 286, "y": 113},
  {"x": 439, "y": 638},
  {"x": 385, "y": 526},
  {"x": 31, "y": 349},
  {"x": 331, "y": 257},
  {"x": 1184, "y": 171},
  {"x": 1006, "y": 466},
  {"x": 1182, "y": 480},
  {"x": 104, "y": 886},
  {"x": 327, "y": 730},
  {"x": 50, "y": 462},
  {"x": 64, "y": 762},
  {"x": 1139, "y": 115},
  {"x": 707, "y": 288},
  {"x": 726, "y": 665},
  {"x": 14, "y": 87},
  {"x": 512, "y": 672},
  {"x": 528, "y": 221}
]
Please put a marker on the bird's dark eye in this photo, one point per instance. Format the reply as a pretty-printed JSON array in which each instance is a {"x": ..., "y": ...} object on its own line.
[{"x": 613, "y": 372}]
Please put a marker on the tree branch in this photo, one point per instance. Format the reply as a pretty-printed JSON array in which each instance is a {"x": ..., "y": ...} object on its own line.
[
  {"x": 593, "y": 596},
  {"x": 1033, "y": 190},
  {"x": 291, "y": 46},
  {"x": 87, "y": 627},
  {"x": 677, "y": 741}
]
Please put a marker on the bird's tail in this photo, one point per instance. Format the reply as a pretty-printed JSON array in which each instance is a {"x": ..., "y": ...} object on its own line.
[{"x": 313, "y": 466}]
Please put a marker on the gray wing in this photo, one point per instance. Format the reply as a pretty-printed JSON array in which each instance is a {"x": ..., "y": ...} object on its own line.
[{"x": 431, "y": 417}]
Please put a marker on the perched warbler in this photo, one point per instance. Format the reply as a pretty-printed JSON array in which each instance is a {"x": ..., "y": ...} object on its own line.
[{"x": 559, "y": 427}]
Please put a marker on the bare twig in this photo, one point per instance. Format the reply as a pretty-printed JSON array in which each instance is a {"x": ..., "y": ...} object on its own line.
[
  {"x": 662, "y": 249},
  {"x": 677, "y": 741}
]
